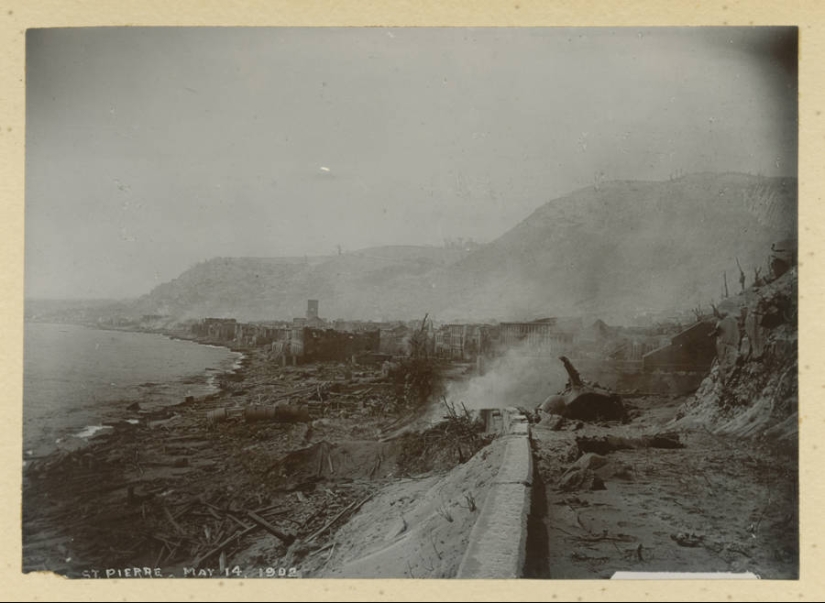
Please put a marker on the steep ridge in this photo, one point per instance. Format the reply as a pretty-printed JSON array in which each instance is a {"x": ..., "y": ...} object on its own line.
[{"x": 627, "y": 247}]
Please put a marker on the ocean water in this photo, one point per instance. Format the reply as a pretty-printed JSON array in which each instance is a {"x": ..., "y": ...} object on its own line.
[{"x": 76, "y": 378}]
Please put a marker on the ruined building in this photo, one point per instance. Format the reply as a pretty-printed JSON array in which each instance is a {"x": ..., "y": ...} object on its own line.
[{"x": 691, "y": 350}]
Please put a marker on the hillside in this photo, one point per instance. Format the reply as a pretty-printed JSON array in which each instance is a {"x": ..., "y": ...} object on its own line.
[
  {"x": 627, "y": 248},
  {"x": 757, "y": 396},
  {"x": 616, "y": 251},
  {"x": 350, "y": 285}
]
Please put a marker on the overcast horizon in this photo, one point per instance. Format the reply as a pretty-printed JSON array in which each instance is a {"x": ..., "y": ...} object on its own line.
[{"x": 152, "y": 149}]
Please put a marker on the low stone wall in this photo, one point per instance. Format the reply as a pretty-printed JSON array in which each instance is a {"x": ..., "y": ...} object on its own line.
[{"x": 498, "y": 540}]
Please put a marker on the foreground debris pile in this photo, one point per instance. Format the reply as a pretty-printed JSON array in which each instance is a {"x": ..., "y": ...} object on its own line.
[{"x": 260, "y": 475}]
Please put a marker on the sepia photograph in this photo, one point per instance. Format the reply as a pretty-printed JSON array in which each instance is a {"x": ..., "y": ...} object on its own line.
[{"x": 411, "y": 302}]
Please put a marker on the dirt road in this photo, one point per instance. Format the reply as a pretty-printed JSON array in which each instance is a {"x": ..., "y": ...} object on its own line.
[{"x": 718, "y": 504}]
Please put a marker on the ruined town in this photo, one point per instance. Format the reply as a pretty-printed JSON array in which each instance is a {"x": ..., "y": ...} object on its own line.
[
  {"x": 412, "y": 302},
  {"x": 357, "y": 449}
]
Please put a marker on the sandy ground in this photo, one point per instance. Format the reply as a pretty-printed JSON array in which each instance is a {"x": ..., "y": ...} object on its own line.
[
  {"x": 416, "y": 528},
  {"x": 719, "y": 504}
]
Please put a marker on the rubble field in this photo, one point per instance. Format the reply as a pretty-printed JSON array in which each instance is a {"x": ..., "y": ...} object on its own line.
[
  {"x": 254, "y": 481},
  {"x": 330, "y": 469}
]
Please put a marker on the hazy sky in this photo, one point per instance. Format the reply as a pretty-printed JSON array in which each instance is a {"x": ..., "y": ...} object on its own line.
[{"x": 150, "y": 149}]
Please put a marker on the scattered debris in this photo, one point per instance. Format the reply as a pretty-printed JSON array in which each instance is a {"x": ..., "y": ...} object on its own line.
[
  {"x": 688, "y": 540},
  {"x": 581, "y": 479}
]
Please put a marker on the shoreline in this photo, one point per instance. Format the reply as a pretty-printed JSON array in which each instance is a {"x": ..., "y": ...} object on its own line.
[
  {"x": 104, "y": 415},
  {"x": 212, "y": 484},
  {"x": 169, "y": 460}
]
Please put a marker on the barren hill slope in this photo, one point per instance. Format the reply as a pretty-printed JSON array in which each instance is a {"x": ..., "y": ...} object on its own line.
[
  {"x": 351, "y": 285},
  {"x": 627, "y": 247},
  {"x": 617, "y": 250}
]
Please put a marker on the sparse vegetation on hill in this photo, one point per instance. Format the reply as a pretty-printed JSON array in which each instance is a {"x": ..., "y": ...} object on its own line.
[
  {"x": 625, "y": 248},
  {"x": 756, "y": 395}
]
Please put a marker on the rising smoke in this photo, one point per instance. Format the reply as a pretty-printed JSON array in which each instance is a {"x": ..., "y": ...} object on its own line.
[{"x": 520, "y": 378}]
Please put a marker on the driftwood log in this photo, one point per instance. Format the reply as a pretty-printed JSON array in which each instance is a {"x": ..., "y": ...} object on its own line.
[{"x": 605, "y": 444}]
